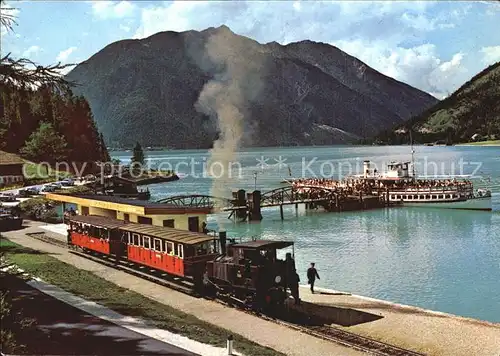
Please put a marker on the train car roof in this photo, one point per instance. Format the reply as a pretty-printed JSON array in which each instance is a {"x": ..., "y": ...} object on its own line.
[
  {"x": 263, "y": 244},
  {"x": 167, "y": 233},
  {"x": 99, "y": 221}
]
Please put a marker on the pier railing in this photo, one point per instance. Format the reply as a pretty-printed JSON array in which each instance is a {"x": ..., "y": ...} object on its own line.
[{"x": 249, "y": 205}]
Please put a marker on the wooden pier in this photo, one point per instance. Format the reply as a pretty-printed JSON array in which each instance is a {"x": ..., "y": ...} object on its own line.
[{"x": 248, "y": 206}]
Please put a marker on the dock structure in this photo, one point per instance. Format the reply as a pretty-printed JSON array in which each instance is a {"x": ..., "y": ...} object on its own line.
[{"x": 249, "y": 206}]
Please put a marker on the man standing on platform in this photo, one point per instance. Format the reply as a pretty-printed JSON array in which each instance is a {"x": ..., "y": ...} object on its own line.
[
  {"x": 292, "y": 278},
  {"x": 312, "y": 274}
]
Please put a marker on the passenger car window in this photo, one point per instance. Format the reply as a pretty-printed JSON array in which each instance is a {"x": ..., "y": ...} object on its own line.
[
  {"x": 158, "y": 245},
  {"x": 170, "y": 247},
  {"x": 180, "y": 251}
]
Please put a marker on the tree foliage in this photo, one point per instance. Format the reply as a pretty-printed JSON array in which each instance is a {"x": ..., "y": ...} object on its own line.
[
  {"x": 24, "y": 73},
  {"x": 7, "y": 20},
  {"x": 23, "y": 113},
  {"x": 473, "y": 109},
  {"x": 45, "y": 144},
  {"x": 36, "y": 100},
  {"x": 138, "y": 154},
  {"x": 103, "y": 151}
]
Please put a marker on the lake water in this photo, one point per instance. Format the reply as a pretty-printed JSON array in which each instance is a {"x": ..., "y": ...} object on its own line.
[{"x": 446, "y": 260}]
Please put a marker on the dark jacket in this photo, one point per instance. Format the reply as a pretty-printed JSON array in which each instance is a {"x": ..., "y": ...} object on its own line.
[{"x": 312, "y": 274}]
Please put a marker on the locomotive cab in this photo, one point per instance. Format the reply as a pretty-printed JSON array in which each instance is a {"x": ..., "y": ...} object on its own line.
[{"x": 253, "y": 273}]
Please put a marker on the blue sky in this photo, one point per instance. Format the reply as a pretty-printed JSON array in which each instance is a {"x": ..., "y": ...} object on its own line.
[{"x": 434, "y": 46}]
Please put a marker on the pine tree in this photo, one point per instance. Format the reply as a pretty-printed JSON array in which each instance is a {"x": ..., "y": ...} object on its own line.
[
  {"x": 45, "y": 144},
  {"x": 103, "y": 149},
  {"x": 137, "y": 160},
  {"x": 138, "y": 154},
  {"x": 38, "y": 110}
]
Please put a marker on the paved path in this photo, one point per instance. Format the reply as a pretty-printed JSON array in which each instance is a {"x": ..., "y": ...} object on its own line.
[
  {"x": 62, "y": 329},
  {"x": 280, "y": 338}
]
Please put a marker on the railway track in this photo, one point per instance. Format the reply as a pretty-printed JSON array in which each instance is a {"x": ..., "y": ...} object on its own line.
[
  {"x": 361, "y": 343},
  {"x": 325, "y": 332}
]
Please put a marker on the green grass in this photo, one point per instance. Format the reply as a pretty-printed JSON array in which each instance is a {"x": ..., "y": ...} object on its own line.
[
  {"x": 483, "y": 143},
  {"x": 439, "y": 121},
  {"x": 124, "y": 301}
]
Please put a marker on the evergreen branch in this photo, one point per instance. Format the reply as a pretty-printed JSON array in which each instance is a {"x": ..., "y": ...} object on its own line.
[
  {"x": 24, "y": 73},
  {"x": 7, "y": 18}
]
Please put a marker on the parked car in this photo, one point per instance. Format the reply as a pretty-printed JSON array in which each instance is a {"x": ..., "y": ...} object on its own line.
[
  {"x": 28, "y": 192},
  {"x": 33, "y": 190},
  {"x": 67, "y": 183},
  {"x": 7, "y": 198},
  {"x": 49, "y": 188}
]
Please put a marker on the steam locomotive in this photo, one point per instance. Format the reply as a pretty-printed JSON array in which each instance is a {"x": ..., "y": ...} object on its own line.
[{"x": 248, "y": 272}]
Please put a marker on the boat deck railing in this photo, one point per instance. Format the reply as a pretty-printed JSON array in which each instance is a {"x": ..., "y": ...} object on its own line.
[{"x": 458, "y": 188}]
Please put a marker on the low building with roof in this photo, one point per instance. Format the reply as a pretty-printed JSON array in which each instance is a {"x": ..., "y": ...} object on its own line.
[
  {"x": 139, "y": 211},
  {"x": 11, "y": 169}
]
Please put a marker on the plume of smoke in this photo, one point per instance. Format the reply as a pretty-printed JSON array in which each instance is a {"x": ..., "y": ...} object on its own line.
[{"x": 225, "y": 97}]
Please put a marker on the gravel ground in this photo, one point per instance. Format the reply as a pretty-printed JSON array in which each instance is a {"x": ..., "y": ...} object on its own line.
[{"x": 429, "y": 332}]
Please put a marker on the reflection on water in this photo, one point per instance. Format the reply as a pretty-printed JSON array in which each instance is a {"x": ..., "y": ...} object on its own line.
[{"x": 447, "y": 260}]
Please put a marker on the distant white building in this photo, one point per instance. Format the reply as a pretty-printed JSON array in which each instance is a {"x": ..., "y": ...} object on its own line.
[{"x": 475, "y": 137}]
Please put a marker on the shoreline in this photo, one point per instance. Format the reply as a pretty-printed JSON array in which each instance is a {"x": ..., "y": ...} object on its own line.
[
  {"x": 473, "y": 145},
  {"x": 249, "y": 149},
  {"x": 396, "y": 305}
]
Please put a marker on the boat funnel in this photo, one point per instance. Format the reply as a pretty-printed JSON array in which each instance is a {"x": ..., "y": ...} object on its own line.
[{"x": 222, "y": 239}]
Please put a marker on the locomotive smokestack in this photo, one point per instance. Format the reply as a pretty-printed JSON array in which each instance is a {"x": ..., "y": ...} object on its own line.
[{"x": 222, "y": 239}]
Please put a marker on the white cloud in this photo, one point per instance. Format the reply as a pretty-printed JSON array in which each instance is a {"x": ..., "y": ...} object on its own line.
[
  {"x": 112, "y": 9},
  {"x": 178, "y": 16},
  {"x": 493, "y": 8},
  {"x": 419, "y": 21},
  {"x": 323, "y": 21},
  {"x": 449, "y": 75},
  {"x": 124, "y": 28},
  {"x": 419, "y": 66},
  {"x": 390, "y": 36},
  {"x": 64, "y": 55},
  {"x": 32, "y": 51},
  {"x": 491, "y": 54}
]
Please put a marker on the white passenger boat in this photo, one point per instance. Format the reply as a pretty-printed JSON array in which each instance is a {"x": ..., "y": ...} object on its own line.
[{"x": 454, "y": 192}]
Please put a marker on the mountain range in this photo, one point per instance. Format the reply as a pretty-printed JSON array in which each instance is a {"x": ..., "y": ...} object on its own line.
[
  {"x": 303, "y": 93},
  {"x": 471, "y": 113}
]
